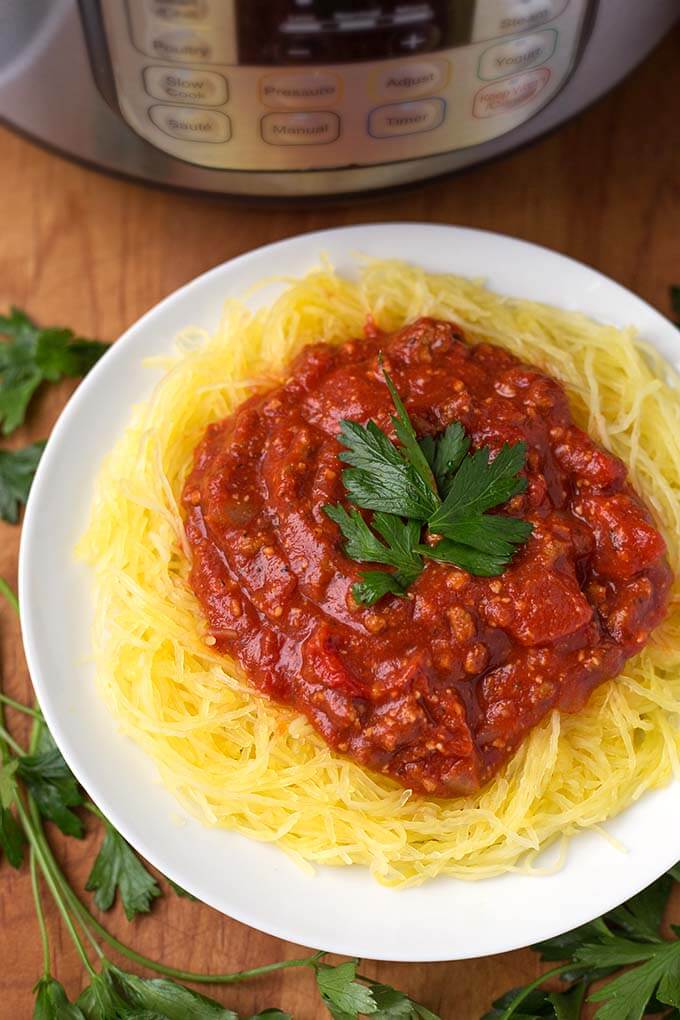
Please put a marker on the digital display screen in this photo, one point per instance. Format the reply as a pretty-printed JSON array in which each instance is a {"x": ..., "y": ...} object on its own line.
[{"x": 344, "y": 31}]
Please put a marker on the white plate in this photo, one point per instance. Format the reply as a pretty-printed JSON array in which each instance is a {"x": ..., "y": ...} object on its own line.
[{"x": 342, "y": 910}]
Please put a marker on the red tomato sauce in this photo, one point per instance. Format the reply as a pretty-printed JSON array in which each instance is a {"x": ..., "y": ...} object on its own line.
[{"x": 439, "y": 688}]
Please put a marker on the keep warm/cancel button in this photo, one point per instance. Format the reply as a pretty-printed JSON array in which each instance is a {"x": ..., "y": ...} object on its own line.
[{"x": 316, "y": 128}]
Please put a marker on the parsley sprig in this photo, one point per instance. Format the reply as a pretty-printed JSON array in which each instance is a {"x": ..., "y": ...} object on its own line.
[
  {"x": 37, "y": 786},
  {"x": 433, "y": 483}
]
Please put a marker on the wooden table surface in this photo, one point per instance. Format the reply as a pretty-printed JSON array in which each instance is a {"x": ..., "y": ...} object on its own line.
[{"x": 92, "y": 252}]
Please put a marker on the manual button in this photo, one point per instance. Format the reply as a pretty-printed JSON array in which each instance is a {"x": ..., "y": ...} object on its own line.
[
  {"x": 317, "y": 128},
  {"x": 406, "y": 118},
  {"x": 408, "y": 81},
  {"x": 191, "y": 125}
]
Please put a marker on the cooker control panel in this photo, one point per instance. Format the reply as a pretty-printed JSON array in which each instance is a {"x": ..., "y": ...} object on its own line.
[{"x": 312, "y": 84}]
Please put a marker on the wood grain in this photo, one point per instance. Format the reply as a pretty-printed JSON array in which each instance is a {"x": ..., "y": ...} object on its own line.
[{"x": 94, "y": 252}]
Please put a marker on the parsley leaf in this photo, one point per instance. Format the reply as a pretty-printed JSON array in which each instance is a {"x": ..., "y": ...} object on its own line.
[
  {"x": 179, "y": 891},
  {"x": 119, "y": 869},
  {"x": 395, "y": 1005},
  {"x": 445, "y": 454},
  {"x": 479, "y": 563},
  {"x": 379, "y": 478},
  {"x": 675, "y": 302},
  {"x": 12, "y": 838},
  {"x": 627, "y": 996},
  {"x": 480, "y": 484},
  {"x": 406, "y": 435},
  {"x": 344, "y": 997},
  {"x": 374, "y": 584},
  {"x": 52, "y": 1003},
  {"x": 52, "y": 785},
  {"x": 31, "y": 355},
  {"x": 166, "y": 1000},
  {"x": 17, "y": 468}
]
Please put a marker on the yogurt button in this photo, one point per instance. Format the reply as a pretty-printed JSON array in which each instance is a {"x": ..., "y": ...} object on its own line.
[
  {"x": 406, "y": 118},
  {"x": 191, "y": 125},
  {"x": 407, "y": 81},
  {"x": 186, "y": 85},
  {"x": 517, "y": 54}
]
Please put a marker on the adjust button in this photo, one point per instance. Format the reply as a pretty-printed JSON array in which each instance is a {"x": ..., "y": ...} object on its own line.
[
  {"x": 408, "y": 81},
  {"x": 292, "y": 91},
  {"x": 406, "y": 118},
  {"x": 186, "y": 85},
  {"x": 318, "y": 128},
  {"x": 517, "y": 54},
  {"x": 191, "y": 125},
  {"x": 511, "y": 93}
]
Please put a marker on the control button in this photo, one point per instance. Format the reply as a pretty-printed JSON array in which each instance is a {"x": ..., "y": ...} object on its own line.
[
  {"x": 178, "y": 10},
  {"x": 182, "y": 44},
  {"x": 191, "y": 125},
  {"x": 505, "y": 18},
  {"x": 292, "y": 91},
  {"x": 511, "y": 93},
  {"x": 318, "y": 128},
  {"x": 517, "y": 54},
  {"x": 182, "y": 84},
  {"x": 407, "y": 81},
  {"x": 406, "y": 118},
  {"x": 415, "y": 39}
]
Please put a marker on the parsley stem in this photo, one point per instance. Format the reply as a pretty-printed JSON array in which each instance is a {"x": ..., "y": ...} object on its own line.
[
  {"x": 35, "y": 712},
  {"x": 9, "y": 595},
  {"x": 528, "y": 989},
  {"x": 53, "y": 886},
  {"x": 7, "y": 737},
  {"x": 37, "y": 899}
]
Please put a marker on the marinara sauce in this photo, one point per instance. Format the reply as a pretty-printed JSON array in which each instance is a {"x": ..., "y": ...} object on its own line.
[{"x": 439, "y": 688}]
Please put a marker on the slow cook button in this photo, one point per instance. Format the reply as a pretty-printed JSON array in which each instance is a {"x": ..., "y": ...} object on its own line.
[
  {"x": 317, "y": 128},
  {"x": 191, "y": 125},
  {"x": 182, "y": 44},
  {"x": 407, "y": 81},
  {"x": 294, "y": 91},
  {"x": 511, "y": 93},
  {"x": 183, "y": 84},
  {"x": 517, "y": 54},
  {"x": 406, "y": 118}
]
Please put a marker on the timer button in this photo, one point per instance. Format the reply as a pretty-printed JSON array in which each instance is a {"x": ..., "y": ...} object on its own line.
[
  {"x": 511, "y": 93},
  {"x": 191, "y": 125},
  {"x": 406, "y": 118},
  {"x": 292, "y": 91},
  {"x": 185, "y": 85},
  {"x": 517, "y": 54},
  {"x": 408, "y": 81},
  {"x": 317, "y": 128}
]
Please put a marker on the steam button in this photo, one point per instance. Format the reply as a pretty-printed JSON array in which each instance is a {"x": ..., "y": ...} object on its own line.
[
  {"x": 493, "y": 19},
  {"x": 186, "y": 85},
  {"x": 191, "y": 125}
]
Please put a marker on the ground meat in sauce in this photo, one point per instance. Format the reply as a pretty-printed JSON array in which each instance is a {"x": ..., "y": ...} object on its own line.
[{"x": 438, "y": 689}]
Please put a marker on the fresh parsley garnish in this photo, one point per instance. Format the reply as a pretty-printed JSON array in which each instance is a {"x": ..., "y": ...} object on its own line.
[
  {"x": 52, "y": 785},
  {"x": 12, "y": 837},
  {"x": 627, "y": 937},
  {"x": 17, "y": 469},
  {"x": 675, "y": 302},
  {"x": 434, "y": 482},
  {"x": 119, "y": 869},
  {"x": 31, "y": 355}
]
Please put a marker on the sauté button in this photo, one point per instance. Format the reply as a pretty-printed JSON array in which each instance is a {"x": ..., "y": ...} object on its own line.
[
  {"x": 191, "y": 125},
  {"x": 406, "y": 118},
  {"x": 299, "y": 90},
  {"x": 511, "y": 93},
  {"x": 184, "y": 84},
  {"x": 517, "y": 54},
  {"x": 318, "y": 128},
  {"x": 408, "y": 81}
]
